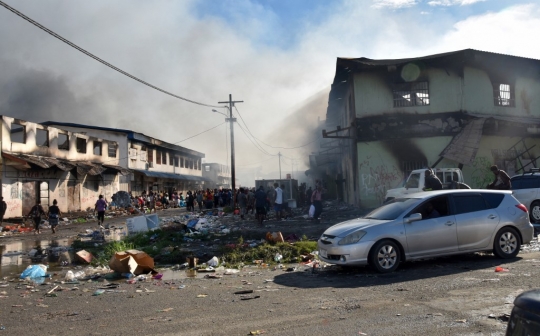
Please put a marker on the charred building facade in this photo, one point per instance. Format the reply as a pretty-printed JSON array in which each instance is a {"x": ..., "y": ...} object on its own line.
[{"x": 468, "y": 109}]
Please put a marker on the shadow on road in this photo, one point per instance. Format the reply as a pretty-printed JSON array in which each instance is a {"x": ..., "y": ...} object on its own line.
[{"x": 357, "y": 277}]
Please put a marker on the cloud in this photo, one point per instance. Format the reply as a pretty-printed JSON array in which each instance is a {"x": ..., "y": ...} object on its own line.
[
  {"x": 207, "y": 57},
  {"x": 393, "y": 3},
  {"x": 448, "y": 3}
]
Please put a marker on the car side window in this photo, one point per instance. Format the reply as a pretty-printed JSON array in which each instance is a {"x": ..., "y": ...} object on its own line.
[
  {"x": 525, "y": 182},
  {"x": 469, "y": 203},
  {"x": 493, "y": 200},
  {"x": 413, "y": 181},
  {"x": 433, "y": 208}
]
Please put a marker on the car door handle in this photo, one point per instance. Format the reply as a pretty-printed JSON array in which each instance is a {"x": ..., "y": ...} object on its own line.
[
  {"x": 449, "y": 223},
  {"x": 492, "y": 216}
]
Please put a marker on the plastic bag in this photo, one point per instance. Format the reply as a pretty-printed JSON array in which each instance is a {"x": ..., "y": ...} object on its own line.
[
  {"x": 213, "y": 262},
  {"x": 34, "y": 271},
  {"x": 311, "y": 211}
]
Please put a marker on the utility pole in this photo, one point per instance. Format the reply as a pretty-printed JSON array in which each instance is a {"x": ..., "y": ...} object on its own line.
[
  {"x": 279, "y": 155},
  {"x": 232, "y": 120}
]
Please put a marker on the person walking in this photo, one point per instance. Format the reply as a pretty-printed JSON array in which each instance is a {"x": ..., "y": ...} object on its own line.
[
  {"x": 278, "y": 201},
  {"x": 36, "y": 212},
  {"x": 101, "y": 205},
  {"x": 242, "y": 202},
  {"x": 54, "y": 215},
  {"x": 3, "y": 209},
  {"x": 260, "y": 203},
  {"x": 316, "y": 200},
  {"x": 200, "y": 199}
]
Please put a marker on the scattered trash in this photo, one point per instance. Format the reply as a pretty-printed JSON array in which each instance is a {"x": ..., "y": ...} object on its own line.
[
  {"x": 249, "y": 291},
  {"x": 257, "y": 332},
  {"x": 165, "y": 310},
  {"x": 98, "y": 292},
  {"x": 202, "y": 295},
  {"x": 214, "y": 262},
  {"x": 132, "y": 261},
  {"x": 250, "y": 297},
  {"x": 84, "y": 256},
  {"x": 34, "y": 271},
  {"x": 278, "y": 257},
  {"x": 500, "y": 269},
  {"x": 274, "y": 237}
]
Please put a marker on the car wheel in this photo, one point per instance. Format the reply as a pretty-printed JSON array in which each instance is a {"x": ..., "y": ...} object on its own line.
[
  {"x": 535, "y": 212},
  {"x": 507, "y": 243},
  {"x": 385, "y": 256}
]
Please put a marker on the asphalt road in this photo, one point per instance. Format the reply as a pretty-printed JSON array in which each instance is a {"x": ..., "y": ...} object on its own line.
[
  {"x": 446, "y": 296},
  {"x": 449, "y": 296}
]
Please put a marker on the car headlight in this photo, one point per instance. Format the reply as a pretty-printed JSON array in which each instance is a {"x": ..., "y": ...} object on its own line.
[{"x": 352, "y": 238}]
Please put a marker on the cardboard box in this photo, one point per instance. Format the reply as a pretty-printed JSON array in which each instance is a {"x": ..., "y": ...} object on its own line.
[
  {"x": 132, "y": 261},
  {"x": 84, "y": 256}
]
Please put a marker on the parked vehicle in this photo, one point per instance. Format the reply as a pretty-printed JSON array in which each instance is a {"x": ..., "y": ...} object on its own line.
[
  {"x": 525, "y": 316},
  {"x": 526, "y": 189},
  {"x": 406, "y": 229},
  {"x": 451, "y": 178}
]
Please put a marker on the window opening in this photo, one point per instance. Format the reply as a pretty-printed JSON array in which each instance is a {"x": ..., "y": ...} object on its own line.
[
  {"x": 503, "y": 95},
  {"x": 158, "y": 157},
  {"x": 164, "y": 157},
  {"x": 113, "y": 146},
  {"x": 207, "y": 168},
  {"x": 150, "y": 155},
  {"x": 411, "y": 94},
  {"x": 44, "y": 194},
  {"x": 182, "y": 162},
  {"x": 176, "y": 162},
  {"x": 63, "y": 141},
  {"x": 81, "y": 145},
  {"x": 42, "y": 137},
  {"x": 18, "y": 133},
  {"x": 98, "y": 146}
]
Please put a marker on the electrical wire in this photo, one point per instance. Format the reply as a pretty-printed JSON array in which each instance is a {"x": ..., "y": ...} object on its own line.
[
  {"x": 262, "y": 150},
  {"x": 258, "y": 140},
  {"x": 87, "y": 53}
]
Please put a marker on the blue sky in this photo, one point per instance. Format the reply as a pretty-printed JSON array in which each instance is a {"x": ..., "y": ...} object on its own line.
[{"x": 274, "y": 55}]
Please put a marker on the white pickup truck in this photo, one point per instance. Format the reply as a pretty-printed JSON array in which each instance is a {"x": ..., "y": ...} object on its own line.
[{"x": 415, "y": 182}]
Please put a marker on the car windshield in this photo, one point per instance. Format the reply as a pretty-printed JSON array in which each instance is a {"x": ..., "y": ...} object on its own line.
[{"x": 391, "y": 210}]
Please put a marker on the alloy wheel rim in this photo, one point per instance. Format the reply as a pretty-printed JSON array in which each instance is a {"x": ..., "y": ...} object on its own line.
[
  {"x": 536, "y": 213},
  {"x": 387, "y": 257},
  {"x": 508, "y": 242}
]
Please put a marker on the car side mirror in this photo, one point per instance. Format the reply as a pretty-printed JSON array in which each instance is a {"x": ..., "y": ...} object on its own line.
[{"x": 415, "y": 217}]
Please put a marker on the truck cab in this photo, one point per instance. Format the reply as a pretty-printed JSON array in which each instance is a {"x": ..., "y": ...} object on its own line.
[{"x": 416, "y": 182}]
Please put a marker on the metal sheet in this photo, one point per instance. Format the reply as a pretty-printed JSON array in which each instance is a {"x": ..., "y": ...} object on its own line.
[
  {"x": 89, "y": 168},
  {"x": 464, "y": 146},
  {"x": 121, "y": 170}
]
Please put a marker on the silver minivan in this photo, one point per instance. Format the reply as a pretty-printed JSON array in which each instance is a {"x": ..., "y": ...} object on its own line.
[{"x": 430, "y": 224}]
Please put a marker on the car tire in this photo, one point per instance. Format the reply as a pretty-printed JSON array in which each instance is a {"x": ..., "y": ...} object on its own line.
[
  {"x": 534, "y": 213},
  {"x": 507, "y": 243},
  {"x": 385, "y": 256}
]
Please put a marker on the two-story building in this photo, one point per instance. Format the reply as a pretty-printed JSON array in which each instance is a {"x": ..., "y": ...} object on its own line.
[
  {"x": 154, "y": 165},
  {"x": 40, "y": 162},
  {"x": 218, "y": 173},
  {"x": 468, "y": 109}
]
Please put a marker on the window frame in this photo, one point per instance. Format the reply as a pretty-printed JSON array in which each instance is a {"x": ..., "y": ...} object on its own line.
[
  {"x": 96, "y": 144},
  {"x": 110, "y": 146},
  {"x": 47, "y": 140},
  {"x": 498, "y": 99},
  {"x": 400, "y": 90},
  {"x": 65, "y": 144},
  {"x": 79, "y": 147},
  {"x": 478, "y": 195},
  {"x": 16, "y": 131}
]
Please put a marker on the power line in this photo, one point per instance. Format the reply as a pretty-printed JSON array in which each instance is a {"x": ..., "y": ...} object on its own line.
[
  {"x": 262, "y": 150},
  {"x": 87, "y": 53},
  {"x": 259, "y": 140}
]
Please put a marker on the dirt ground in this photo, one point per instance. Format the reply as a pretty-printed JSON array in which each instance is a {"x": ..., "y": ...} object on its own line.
[{"x": 446, "y": 296}]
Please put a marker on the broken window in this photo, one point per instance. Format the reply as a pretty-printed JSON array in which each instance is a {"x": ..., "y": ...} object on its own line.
[
  {"x": 164, "y": 157},
  {"x": 18, "y": 133},
  {"x": 113, "y": 146},
  {"x": 63, "y": 141},
  {"x": 176, "y": 162},
  {"x": 411, "y": 94},
  {"x": 503, "y": 95},
  {"x": 98, "y": 147},
  {"x": 81, "y": 145},
  {"x": 42, "y": 137},
  {"x": 150, "y": 155},
  {"x": 158, "y": 157}
]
